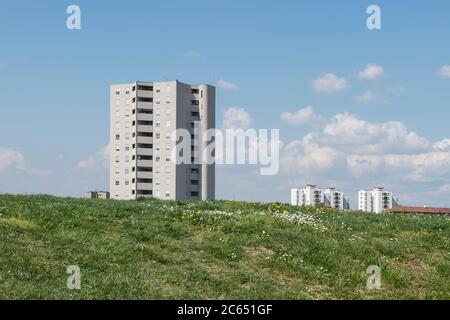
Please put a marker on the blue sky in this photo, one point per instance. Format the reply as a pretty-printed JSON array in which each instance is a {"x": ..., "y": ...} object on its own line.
[{"x": 54, "y": 88}]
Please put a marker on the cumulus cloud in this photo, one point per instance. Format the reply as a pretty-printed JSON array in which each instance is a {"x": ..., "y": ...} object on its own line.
[
  {"x": 301, "y": 116},
  {"x": 371, "y": 72},
  {"x": 99, "y": 160},
  {"x": 442, "y": 145},
  {"x": 330, "y": 83},
  {"x": 236, "y": 118},
  {"x": 367, "y": 150},
  {"x": 368, "y": 96},
  {"x": 305, "y": 155},
  {"x": 348, "y": 131},
  {"x": 226, "y": 85},
  {"x": 13, "y": 159},
  {"x": 444, "y": 71}
]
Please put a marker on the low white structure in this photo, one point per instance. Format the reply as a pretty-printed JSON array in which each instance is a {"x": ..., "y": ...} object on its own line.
[
  {"x": 310, "y": 195},
  {"x": 376, "y": 200}
]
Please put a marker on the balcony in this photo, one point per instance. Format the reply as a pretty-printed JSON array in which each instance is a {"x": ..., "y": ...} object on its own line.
[
  {"x": 194, "y": 176},
  {"x": 144, "y": 105},
  {"x": 144, "y": 151},
  {"x": 144, "y": 128},
  {"x": 144, "y": 175},
  {"x": 145, "y": 140},
  {"x": 144, "y": 163},
  {"x": 144, "y": 93},
  {"x": 144, "y": 186},
  {"x": 144, "y": 117}
]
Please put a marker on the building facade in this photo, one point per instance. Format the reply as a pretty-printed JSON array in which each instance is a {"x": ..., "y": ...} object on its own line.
[
  {"x": 143, "y": 118},
  {"x": 376, "y": 200},
  {"x": 311, "y": 195},
  {"x": 104, "y": 195}
]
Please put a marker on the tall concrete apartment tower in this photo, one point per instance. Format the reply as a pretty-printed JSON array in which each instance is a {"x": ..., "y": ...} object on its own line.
[{"x": 143, "y": 116}]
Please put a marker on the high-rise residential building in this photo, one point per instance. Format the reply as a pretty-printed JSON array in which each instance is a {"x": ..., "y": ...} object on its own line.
[
  {"x": 335, "y": 199},
  {"x": 143, "y": 117},
  {"x": 376, "y": 200},
  {"x": 311, "y": 195}
]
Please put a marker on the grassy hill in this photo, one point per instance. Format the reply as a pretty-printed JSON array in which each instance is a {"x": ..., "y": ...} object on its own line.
[{"x": 151, "y": 249}]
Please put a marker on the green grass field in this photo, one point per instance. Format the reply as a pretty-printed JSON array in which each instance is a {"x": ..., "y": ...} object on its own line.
[{"x": 150, "y": 249}]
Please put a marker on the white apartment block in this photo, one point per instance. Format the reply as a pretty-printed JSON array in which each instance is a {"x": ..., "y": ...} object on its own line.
[
  {"x": 311, "y": 195},
  {"x": 143, "y": 116},
  {"x": 376, "y": 200}
]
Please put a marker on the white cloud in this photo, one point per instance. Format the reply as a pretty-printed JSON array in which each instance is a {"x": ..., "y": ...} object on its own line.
[
  {"x": 348, "y": 131},
  {"x": 12, "y": 159},
  {"x": 192, "y": 54},
  {"x": 442, "y": 145},
  {"x": 304, "y": 155},
  {"x": 236, "y": 118},
  {"x": 444, "y": 71},
  {"x": 301, "y": 116},
  {"x": 330, "y": 83},
  {"x": 226, "y": 85},
  {"x": 371, "y": 72},
  {"x": 99, "y": 160},
  {"x": 367, "y": 97},
  {"x": 369, "y": 151}
]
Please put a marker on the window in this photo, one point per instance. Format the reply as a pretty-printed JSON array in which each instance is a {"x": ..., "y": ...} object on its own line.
[
  {"x": 117, "y": 136},
  {"x": 167, "y": 194},
  {"x": 127, "y": 182},
  {"x": 117, "y": 183},
  {"x": 158, "y": 135},
  {"x": 158, "y": 100},
  {"x": 167, "y": 158},
  {"x": 157, "y": 112},
  {"x": 168, "y": 111},
  {"x": 127, "y": 136},
  {"x": 157, "y": 182},
  {"x": 117, "y": 147},
  {"x": 168, "y": 147},
  {"x": 157, "y": 146},
  {"x": 116, "y": 170},
  {"x": 195, "y": 102},
  {"x": 117, "y": 125},
  {"x": 157, "y": 158},
  {"x": 127, "y": 91},
  {"x": 168, "y": 88},
  {"x": 167, "y": 99},
  {"x": 127, "y": 124},
  {"x": 127, "y": 148},
  {"x": 117, "y": 102},
  {"x": 158, "y": 89},
  {"x": 117, "y": 159},
  {"x": 157, "y": 124},
  {"x": 127, "y": 158},
  {"x": 194, "y": 91},
  {"x": 157, "y": 193},
  {"x": 127, "y": 170},
  {"x": 117, "y": 114},
  {"x": 167, "y": 170},
  {"x": 168, "y": 135},
  {"x": 167, "y": 123},
  {"x": 157, "y": 170},
  {"x": 117, "y": 92},
  {"x": 167, "y": 182}
]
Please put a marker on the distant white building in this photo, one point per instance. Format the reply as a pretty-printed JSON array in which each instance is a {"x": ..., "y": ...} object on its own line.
[
  {"x": 310, "y": 195},
  {"x": 376, "y": 200}
]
